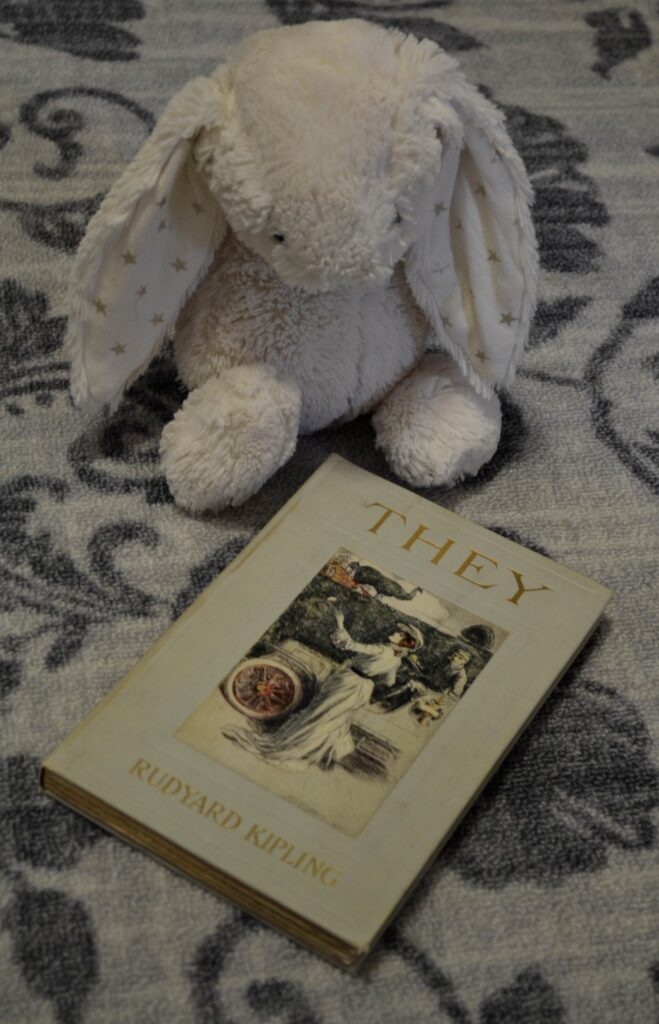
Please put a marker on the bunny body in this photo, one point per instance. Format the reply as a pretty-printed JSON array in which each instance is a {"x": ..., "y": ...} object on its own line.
[
  {"x": 328, "y": 209},
  {"x": 344, "y": 349}
]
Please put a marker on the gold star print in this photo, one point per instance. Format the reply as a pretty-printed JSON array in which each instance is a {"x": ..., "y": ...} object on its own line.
[
  {"x": 439, "y": 208},
  {"x": 162, "y": 202},
  {"x": 141, "y": 291},
  {"x": 101, "y": 306},
  {"x": 118, "y": 349},
  {"x": 196, "y": 206},
  {"x": 162, "y": 225},
  {"x": 492, "y": 256},
  {"x": 128, "y": 257},
  {"x": 446, "y": 321},
  {"x": 507, "y": 318},
  {"x": 481, "y": 355},
  {"x": 157, "y": 318},
  {"x": 179, "y": 264},
  {"x": 480, "y": 189}
]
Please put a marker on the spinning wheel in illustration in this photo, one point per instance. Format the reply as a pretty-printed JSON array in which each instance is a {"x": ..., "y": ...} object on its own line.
[{"x": 263, "y": 688}]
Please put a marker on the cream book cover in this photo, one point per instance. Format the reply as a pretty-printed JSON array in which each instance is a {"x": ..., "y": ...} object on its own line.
[{"x": 307, "y": 735}]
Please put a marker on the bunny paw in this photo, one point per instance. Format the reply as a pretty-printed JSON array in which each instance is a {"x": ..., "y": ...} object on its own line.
[
  {"x": 229, "y": 436},
  {"x": 434, "y": 428}
]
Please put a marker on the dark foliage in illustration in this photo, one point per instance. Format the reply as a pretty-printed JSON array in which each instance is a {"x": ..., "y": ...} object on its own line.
[
  {"x": 310, "y": 619},
  {"x": 84, "y": 28},
  {"x": 620, "y": 34},
  {"x": 119, "y": 455},
  {"x": 630, "y": 430},
  {"x": 579, "y": 783},
  {"x": 408, "y": 17}
]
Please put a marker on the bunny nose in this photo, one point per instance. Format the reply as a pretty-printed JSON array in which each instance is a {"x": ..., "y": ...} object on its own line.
[{"x": 344, "y": 267}]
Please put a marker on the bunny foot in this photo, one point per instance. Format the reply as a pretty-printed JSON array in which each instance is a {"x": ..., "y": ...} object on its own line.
[
  {"x": 229, "y": 436},
  {"x": 434, "y": 428}
]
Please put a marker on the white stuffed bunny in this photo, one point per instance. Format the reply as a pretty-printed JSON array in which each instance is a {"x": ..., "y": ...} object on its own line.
[{"x": 334, "y": 203}]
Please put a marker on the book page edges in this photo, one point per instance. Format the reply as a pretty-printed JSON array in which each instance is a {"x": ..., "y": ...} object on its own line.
[{"x": 145, "y": 839}]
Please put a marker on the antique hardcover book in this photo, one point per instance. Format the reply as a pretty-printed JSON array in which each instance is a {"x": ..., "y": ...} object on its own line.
[{"x": 308, "y": 734}]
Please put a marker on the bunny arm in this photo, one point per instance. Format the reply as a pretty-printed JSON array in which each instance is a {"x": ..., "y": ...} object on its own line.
[
  {"x": 229, "y": 436},
  {"x": 434, "y": 428}
]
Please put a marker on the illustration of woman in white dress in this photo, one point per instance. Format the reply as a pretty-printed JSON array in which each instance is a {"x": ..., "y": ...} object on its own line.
[{"x": 320, "y": 733}]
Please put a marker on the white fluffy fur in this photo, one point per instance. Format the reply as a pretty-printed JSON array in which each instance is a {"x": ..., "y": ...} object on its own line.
[
  {"x": 332, "y": 134},
  {"x": 434, "y": 428},
  {"x": 229, "y": 436}
]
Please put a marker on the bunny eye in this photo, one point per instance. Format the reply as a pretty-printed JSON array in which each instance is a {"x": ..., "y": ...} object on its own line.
[
  {"x": 278, "y": 237},
  {"x": 439, "y": 132},
  {"x": 397, "y": 219}
]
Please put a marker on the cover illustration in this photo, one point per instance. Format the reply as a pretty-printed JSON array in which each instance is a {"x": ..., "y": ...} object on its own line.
[{"x": 335, "y": 700}]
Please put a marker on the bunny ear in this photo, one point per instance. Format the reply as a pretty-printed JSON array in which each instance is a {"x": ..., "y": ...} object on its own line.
[
  {"x": 145, "y": 249},
  {"x": 473, "y": 271}
]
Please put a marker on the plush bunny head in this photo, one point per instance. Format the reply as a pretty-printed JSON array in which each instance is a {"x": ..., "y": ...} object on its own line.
[{"x": 332, "y": 150}]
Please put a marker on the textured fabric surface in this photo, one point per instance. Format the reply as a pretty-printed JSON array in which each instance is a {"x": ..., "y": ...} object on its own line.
[{"x": 544, "y": 908}]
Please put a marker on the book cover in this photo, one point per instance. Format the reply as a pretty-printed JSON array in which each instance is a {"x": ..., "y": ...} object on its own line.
[{"x": 307, "y": 735}]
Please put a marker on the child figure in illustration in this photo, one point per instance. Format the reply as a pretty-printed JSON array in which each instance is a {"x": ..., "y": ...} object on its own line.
[
  {"x": 434, "y": 698},
  {"x": 458, "y": 658},
  {"x": 321, "y": 733}
]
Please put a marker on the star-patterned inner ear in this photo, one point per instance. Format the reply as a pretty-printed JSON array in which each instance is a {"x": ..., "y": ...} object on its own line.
[
  {"x": 470, "y": 270},
  {"x": 144, "y": 277}
]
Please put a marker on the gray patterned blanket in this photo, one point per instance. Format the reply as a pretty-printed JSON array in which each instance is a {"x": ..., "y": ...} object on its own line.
[{"x": 544, "y": 909}]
